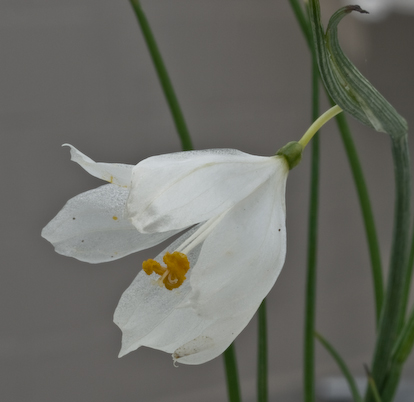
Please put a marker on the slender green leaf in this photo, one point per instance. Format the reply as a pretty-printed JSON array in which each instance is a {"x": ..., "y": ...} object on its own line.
[
  {"x": 342, "y": 365},
  {"x": 233, "y": 386},
  {"x": 391, "y": 383},
  {"x": 303, "y": 20},
  {"x": 262, "y": 372},
  {"x": 163, "y": 76},
  {"x": 400, "y": 354},
  {"x": 392, "y": 318},
  {"x": 367, "y": 213},
  {"x": 310, "y": 296},
  {"x": 405, "y": 342},
  {"x": 410, "y": 269},
  {"x": 372, "y": 386}
]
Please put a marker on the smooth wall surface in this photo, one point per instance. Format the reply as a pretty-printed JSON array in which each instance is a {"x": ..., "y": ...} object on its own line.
[{"x": 78, "y": 72}]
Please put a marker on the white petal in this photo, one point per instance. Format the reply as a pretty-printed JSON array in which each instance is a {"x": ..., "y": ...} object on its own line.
[
  {"x": 178, "y": 190},
  {"x": 241, "y": 259},
  {"x": 238, "y": 265},
  {"x": 214, "y": 339},
  {"x": 235, "y": 269},
  {"x": 114, "y": 173},
  {"x": 176, "y": 328},
  {"x": 192, "y": 338},
  {"x": 144, "y": 306},
  {"x": 93, "y": 227}
]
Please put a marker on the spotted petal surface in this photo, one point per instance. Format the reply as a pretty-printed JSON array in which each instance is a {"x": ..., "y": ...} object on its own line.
[{"x": 93, "y": 227}]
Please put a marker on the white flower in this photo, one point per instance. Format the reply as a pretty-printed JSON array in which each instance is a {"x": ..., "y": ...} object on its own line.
[{"x": 231, "y": 206}]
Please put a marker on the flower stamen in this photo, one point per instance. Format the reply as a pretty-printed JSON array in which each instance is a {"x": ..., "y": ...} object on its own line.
[
  {"x": 172, "y": 276},
  {"x": 161, "y": 279},
  {"x": 200, "y": 234}
]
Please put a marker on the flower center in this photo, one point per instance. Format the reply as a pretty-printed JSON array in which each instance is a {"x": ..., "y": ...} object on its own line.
[{"x": 173, "y": 275}]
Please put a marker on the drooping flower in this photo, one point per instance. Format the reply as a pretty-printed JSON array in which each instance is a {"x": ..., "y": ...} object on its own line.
[{"x": 194, "y": 298}]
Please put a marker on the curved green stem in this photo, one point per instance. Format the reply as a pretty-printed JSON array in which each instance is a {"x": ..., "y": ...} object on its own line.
[
  {"x": 319, "y": 122},
  {"x": 163, "y": 77}
]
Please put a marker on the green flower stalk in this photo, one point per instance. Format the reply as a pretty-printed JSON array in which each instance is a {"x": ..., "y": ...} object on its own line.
[
  {"x": 292, "y": 151},
  {"x": 163, "y": 76}
]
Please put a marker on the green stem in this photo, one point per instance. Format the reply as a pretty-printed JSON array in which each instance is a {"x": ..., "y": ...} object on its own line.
[
  {"x": 262, "y": 382},
  {"x": 163, "y": 77},
  {"x": 310, "y": 297},
  {"x": 233, "y": 387},
  {"x": 303, "y": 21},
  {"x": 392, "y": 317},
  {"x": 367, "y": 214},
  {"x": 318, "y": 123}
]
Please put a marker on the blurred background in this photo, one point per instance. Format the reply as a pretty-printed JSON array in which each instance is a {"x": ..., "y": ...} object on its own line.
[{"x": 79, "y": 72}]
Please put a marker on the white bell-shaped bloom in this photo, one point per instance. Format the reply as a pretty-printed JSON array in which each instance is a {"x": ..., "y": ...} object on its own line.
[{"x": 230, "y": 207}]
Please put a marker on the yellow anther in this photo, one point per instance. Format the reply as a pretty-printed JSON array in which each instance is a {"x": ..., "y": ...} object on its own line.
[
  {"x": 151, "y": 266},
  {"x": 173, "y": 275}
]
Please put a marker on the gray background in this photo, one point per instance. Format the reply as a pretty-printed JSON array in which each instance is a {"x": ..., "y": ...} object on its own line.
[{"x": 78, "y": 71}]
